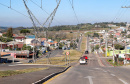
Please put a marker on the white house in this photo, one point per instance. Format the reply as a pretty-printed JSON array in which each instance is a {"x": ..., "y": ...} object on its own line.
[
  {"x": 28, "y": 41},
  {"x": 19, "y": 39}
]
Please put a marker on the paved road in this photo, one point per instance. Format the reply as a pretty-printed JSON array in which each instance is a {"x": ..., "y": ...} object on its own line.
[{"x": 93, "y": 73}]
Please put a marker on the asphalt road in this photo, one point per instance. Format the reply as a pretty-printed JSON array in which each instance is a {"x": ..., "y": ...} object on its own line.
[{"x": 93, "y": 73}]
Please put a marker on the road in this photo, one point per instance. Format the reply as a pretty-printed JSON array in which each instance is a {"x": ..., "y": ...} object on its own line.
[
  {"x": 93, "y": 73},
  {"x": 96, "y": 71}
]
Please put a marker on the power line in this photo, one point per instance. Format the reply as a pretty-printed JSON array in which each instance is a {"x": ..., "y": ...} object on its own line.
[
  {"x": 44, "y": 10},
  {"x": 14, "y": 10},
  {"x": 120, "y": 12},
  {"x": 74, "y": 11}
]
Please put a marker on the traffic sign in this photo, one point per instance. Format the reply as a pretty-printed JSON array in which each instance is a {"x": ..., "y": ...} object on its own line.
[{"x": 67, "y": 53}]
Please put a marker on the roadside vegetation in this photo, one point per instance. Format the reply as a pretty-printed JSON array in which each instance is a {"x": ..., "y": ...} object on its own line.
[
  {"x": 15, "y": 72},
  {"x": 119, "y": 63},
  {"x": 83, "y": 44},
  {"x": 74, "y": 57}
]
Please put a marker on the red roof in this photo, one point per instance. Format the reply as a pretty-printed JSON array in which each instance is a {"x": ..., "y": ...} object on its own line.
[
  {"x": 43, "y": 39},
  {"x": 118, "y": 34},
  {"x": 19, "y": 37},
  {"x": 53, "y": 42}
]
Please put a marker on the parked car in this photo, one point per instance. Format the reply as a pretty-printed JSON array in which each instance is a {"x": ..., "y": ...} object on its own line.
[
  {"x": 86, "y": 52},
  {"x": 82, "y": 60}
]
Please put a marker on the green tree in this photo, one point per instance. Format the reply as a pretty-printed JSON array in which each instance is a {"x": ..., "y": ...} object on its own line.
[
  {"x": 97, "y": 47},
  {"x": 25, "y": 31},
  {"x": 95, "y": 35},
  {"x": 9, "y": 33},
  {"x": 111, "y": 36},
  {"x": 119, "y": 47},
  {"x": 128, "y": 36}
]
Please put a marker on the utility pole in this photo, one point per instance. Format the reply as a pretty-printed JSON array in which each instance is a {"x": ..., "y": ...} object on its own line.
[
  {"x": 106, "y": 45},
  {"x": 113, "y": 50}
]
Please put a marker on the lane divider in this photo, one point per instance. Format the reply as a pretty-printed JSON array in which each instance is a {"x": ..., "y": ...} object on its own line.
[{"x": 49, "y": 77}]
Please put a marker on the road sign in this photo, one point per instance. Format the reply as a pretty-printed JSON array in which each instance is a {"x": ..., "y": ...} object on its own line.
[{"x": 67, "y": 53}]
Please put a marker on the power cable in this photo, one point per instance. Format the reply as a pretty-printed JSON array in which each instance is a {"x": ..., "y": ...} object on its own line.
[
  {"x": 14, "y": 10},
  {"x": 44, "y": 11}
]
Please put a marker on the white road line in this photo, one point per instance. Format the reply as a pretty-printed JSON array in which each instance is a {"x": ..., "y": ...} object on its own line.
[
  {"x": 90, "y": 79},
  {"x": 12, "y": 65},
  {"x": 123, "y": 81},
  {"x": 113, "y": 74},
  {"x": 104, "y": 71}
]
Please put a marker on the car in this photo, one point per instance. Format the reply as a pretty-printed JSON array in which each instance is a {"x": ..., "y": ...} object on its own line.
[
  {"x": 82, "y": 60},
  {"x": 86, "y": 52},
  {"x": 86, "y": 58}
]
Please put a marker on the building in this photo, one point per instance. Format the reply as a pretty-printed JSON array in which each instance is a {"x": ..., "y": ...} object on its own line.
[{"x": 19, "y": 39}]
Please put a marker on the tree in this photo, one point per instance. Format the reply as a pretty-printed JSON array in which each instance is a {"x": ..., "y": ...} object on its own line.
[
  {"x": 111, "y": 36},
  {"x": 95, "y": 35},
  {"x": 97, "y": 47},
  {"x": 25, "y": 31},
  {"x": 9, "y": 33},
  {"x": 128, "y": 36},
  {"x": 119, "y": 47}
]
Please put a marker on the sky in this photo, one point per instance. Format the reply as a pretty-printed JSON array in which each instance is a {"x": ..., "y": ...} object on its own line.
[{"x": 87, "y": 11}]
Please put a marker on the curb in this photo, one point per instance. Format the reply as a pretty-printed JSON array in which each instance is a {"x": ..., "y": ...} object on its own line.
[
  {"x": 100, "y": 60},
  {"x": 50, "y": 76}
]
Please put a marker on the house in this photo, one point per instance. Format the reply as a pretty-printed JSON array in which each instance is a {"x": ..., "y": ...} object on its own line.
[
  {"x": 3, "y": 45},
  {"x": 121, "y": 29},
  {"x": 19, "y": 39},
  {"x": 30, "y": 37},
  {"x": 28, "y": 40},
  {"x": 52, "y": 44},
  {"x": 111, "y": 25},
  {"x": 15, "y": 44}
]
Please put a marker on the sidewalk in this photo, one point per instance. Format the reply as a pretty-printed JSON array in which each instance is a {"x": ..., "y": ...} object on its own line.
[{"x": 29, "y": 78}]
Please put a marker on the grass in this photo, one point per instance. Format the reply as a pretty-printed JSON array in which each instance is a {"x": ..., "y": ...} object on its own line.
[
  {"x": 74, "y": 56},
  {"x": 114, "y": 64},
  {"x": 15, "y": 72},
  {"x": 83, "y": 44}
]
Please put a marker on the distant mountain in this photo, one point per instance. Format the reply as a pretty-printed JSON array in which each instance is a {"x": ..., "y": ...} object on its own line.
[{"x": 3, "y": 28}]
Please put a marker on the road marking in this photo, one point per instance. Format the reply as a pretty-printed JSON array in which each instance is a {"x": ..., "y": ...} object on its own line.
[
  {"x": 104, "y": 71},
  {"x": 123, "y": 81},
  {"x": 12, "y": 65},
  {"x": 113, "y": 75},
  {"x": 90, "y": 79},
  {"x": 96, "y": 68}
]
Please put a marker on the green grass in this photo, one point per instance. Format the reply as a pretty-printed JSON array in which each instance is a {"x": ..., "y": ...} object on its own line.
[
  {"x": 15, "y": 72},
  {"x": 83, "y": 44},
  {"x": 114, "y": 64},
  {"x": 74, "y": 56}
]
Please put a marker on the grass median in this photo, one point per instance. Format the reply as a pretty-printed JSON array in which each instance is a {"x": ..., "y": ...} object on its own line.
[
  {"x": 83, "y": 44},
  {"x": 15, "y": 72}
]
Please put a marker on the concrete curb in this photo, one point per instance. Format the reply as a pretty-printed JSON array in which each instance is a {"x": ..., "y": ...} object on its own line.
[{"x": 50, "y": 76}]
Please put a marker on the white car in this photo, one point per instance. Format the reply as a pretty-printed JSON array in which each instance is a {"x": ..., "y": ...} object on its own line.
[{"x": 82, "y": 61}]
